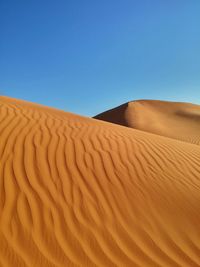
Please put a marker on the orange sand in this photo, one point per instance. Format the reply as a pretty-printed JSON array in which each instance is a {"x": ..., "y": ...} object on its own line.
[
  {"x": 76, "y": 191},
  {"x": 171, "y": 119}
]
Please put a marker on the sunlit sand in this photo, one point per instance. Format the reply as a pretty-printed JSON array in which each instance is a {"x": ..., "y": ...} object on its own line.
[{"x": 77, "y": 191}]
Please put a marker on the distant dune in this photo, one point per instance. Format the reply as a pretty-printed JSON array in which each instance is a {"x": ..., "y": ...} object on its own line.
[
  {"x": 77, "y": 191},
  {"x": 171, "y": 119}
]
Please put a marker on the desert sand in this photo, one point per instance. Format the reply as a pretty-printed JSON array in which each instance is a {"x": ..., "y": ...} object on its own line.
[
  {"x": 171, "y": 119},
  {"x": 77, "y": 191}
]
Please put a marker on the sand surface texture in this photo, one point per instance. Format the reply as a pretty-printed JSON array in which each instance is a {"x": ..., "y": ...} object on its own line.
[
  {"x": 76, "y": 191},
  {"x": 171, "y": 119}
]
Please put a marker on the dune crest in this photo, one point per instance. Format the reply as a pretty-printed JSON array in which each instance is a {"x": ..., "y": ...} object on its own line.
[
  {"x": 76, "y": 191},
  {"x": 171, "y": 119}
]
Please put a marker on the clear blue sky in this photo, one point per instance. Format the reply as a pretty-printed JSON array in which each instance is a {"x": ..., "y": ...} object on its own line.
[{"x": 86, "y": 56}]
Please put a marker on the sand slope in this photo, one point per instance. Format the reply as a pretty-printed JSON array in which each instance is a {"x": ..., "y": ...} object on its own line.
[
  {"x": 76, "y": 191},
  {"x": 172, "y": 119}
]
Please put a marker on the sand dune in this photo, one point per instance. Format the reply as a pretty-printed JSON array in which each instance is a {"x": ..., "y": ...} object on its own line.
[
  {"x": 171, "y": 119},
  {"x": 76, "y": 191}
]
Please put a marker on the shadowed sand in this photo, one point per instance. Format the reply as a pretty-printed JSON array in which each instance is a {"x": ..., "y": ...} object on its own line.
[
  {"x": 76, "y": 191},
  {"x": 171, "y": 119}
]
